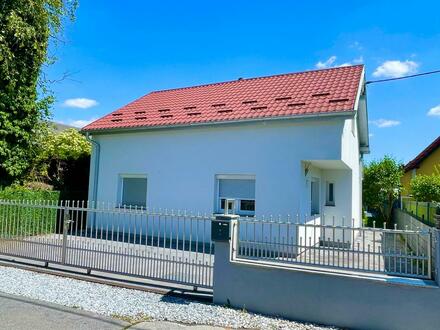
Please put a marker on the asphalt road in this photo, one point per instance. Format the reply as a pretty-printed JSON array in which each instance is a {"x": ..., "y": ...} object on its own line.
[{"x": 22, "y": 313}]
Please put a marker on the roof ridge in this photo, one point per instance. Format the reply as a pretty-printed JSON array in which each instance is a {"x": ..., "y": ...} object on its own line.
[
  {"x": 254, "y": 78},
  {"x": 423, "y": 154}
]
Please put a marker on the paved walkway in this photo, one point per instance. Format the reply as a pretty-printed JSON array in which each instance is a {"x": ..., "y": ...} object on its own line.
[{"x": 22, "y": 313}]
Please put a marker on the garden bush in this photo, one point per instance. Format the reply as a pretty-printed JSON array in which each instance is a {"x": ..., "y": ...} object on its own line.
[
  {"x": 19, "y": 216},
  {"x": 426, "y": 188}
]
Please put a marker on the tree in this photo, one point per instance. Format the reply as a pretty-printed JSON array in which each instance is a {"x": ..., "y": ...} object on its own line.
[
  {"x": 26, "y": 28},
  {"x": 55, "y": 152},
  {"x": 426, "y": 188},
  {"x": 381, "y": 186}
]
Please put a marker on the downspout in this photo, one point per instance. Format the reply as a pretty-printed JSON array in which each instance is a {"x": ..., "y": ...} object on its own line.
[
  {"x": 95, "y": 170},
  {"x": 96, "y": 155}
]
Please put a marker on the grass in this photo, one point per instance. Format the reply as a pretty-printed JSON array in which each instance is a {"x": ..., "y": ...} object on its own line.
[{"x": 132, "y": 319}]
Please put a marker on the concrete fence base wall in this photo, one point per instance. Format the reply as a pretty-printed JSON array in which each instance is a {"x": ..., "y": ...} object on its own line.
[
  {"x": 407, "y": 221},
  {"x": 349, "y": 301}
]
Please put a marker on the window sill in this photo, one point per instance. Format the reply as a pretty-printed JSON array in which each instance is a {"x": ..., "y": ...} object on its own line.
[{"x": 330, "y": 205}]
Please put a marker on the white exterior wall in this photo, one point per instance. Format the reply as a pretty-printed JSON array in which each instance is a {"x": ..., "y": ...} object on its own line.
[
  {"x": 351, "y": 156},
  {"x": 181, "y": 164}
]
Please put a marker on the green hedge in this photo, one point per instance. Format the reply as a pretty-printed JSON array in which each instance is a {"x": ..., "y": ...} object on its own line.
[
  {"x": 23, "y": 193},
  {"x": 26, "y": 219}
]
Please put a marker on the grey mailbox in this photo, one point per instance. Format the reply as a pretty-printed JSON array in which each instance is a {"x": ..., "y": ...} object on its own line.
[{"x": 220, "y": 227}]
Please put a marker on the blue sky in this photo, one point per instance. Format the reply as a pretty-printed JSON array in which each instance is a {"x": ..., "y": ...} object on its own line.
[{"x": 117, "y": 51}]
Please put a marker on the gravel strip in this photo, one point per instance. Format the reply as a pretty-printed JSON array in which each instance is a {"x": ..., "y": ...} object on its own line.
[{"x": 133, "y": 304}]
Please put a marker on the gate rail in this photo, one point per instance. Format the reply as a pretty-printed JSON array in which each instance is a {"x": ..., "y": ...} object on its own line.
[
  {"x": 163, "y": 245},
  {"x": 338, "y": 245}
]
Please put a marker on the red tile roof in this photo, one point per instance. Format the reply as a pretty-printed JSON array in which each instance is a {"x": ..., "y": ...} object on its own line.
[
  {"x": 421, "y": 156},
  {"x": 304, "y": 93}
]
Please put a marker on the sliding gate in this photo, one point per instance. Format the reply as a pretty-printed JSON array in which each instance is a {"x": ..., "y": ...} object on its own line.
[{"x": 162, "y": 245}]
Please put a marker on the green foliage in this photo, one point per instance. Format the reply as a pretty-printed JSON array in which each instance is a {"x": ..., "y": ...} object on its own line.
[
  {"x": 15, "y": 192},
  {"x": 67, "y": 145},
  {"x": 381, "y": 186},
  {"x": 426, "y": 188},
  {"x": 27, "y": 27},
  {"x": 56, "y": 151},
  {"x": 18, "y": 220}
]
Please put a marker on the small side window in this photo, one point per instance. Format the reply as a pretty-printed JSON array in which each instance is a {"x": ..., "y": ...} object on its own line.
[
  {"x": 330, "y": 194},
  {"x": 134, "y": 191}
]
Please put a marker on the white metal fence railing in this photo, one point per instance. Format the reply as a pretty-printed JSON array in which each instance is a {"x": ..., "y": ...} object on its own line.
[
  {"x": 335, "y": 245},
  {"x": 164, "y": 245}
]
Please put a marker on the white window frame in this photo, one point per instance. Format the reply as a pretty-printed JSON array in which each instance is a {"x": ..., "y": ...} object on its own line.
[
  {"x": 123, "y": 176},
  {"x": 327, "y": 194},
  {"x": 237, "y": 202}
]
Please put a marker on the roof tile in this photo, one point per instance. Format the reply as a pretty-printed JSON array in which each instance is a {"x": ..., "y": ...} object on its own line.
[{"x": 309, "y": 92}]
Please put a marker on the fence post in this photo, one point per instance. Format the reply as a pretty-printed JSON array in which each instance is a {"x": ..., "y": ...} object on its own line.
[
  {"x": 437, "y": 217},
  {"x": 221, "y": 234},
  {"x": 428, "y": 209},
  {"x": 436, "y": 232},
  {"x": 66, "y": 223}
]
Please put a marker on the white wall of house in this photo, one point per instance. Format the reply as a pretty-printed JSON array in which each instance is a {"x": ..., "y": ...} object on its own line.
[
  {"x": 351, "y": 156},
  {"x": 181, "y": 164}
]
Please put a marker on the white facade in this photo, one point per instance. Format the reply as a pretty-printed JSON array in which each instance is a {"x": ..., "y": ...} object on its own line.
[{"x": 284, "y": 157}]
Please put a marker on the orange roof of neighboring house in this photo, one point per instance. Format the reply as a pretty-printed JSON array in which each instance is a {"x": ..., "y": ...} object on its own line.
[
  {"x": 304, "y": 93},
  {"x": 421, "y": 156}
]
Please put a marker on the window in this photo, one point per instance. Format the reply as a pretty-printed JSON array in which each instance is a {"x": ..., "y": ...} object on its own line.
[
  {"x": 240, "y": 189},
  {"x": 314, "y": 197},
  {"x": 330, "y": 194},
  {"x": 413, "y": 173},
  {"x": 247, "y": 205},
  {"x": 134, "y": 190}
]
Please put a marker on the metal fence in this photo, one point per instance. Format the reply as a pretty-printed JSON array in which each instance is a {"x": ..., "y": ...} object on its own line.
[
  {"x": 163, "y": 245},
  {"x": 335, "y": 245},
  {"x": 423, "y": 211}
]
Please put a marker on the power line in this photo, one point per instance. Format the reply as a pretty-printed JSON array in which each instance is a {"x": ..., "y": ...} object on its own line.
[{"x": 405, "y": 77}]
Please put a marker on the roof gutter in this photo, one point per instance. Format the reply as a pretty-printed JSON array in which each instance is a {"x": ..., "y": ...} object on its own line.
[{"x": 346, "y": 113}]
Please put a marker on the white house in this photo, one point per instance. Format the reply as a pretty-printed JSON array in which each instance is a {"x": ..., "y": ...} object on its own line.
[{"x": 280, "y": 145}]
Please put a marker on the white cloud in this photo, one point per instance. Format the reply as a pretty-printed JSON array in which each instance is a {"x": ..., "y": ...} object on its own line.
[
  {"x": 326, "y": 64},
  {"x": 358, "y": 60},
  {"x": 80, "y": 123},
  {"x": 370, "y": 135},
  {"x": 356, "y": 45},
  {"x": 435, "y": 112},
  {"x": 383, "y": 123},
  {"x": 331, "y": 63},
  {"x": 395, "y": 69},
  {"x": 81, "y": 103}
]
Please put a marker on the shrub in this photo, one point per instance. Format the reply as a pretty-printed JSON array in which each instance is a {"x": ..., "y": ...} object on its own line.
[
  {"x": 426, "y": 188},
  {"x": 24, "y": 193},
  {"x": 26, "y": 219}
]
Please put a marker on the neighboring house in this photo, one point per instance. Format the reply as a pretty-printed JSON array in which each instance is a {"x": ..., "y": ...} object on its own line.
[
  {"x": 427, "y": 162},
  {"x": 288, "y": 144}
]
